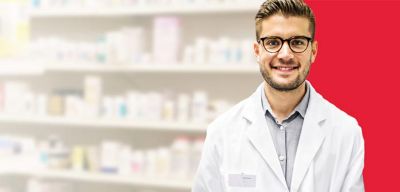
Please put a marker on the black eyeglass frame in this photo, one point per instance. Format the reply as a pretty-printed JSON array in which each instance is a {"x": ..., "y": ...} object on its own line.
[{"x": 262, "y": 39}]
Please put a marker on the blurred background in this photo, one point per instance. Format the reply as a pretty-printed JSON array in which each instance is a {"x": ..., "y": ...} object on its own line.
[{"x": 116, "y": 95}]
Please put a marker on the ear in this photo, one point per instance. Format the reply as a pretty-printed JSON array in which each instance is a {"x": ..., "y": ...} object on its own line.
[
  {"x": 256, "y": 49},
  {"x": 314, "y": 50}
]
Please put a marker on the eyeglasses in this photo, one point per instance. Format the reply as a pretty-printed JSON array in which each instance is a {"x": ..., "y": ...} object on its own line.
[{"x": 297, "y": 44}]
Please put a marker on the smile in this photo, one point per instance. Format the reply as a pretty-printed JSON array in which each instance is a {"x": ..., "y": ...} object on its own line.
[{"x": 285, "y": 68}]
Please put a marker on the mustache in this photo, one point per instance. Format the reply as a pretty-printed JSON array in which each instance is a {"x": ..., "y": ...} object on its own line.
[
  {"x": 282, "y": 62},
  {"x": 287, "y": 62}
]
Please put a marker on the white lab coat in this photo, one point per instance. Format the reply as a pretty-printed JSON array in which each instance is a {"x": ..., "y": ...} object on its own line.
[{"x": 329, "y": 158}]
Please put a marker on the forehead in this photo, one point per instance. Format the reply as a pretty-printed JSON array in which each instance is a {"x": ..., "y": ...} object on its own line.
[{"x": 285, "y": 27}]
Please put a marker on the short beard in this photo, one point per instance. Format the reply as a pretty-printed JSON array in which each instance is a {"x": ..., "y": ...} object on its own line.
[{"x": 285, "y": 88}]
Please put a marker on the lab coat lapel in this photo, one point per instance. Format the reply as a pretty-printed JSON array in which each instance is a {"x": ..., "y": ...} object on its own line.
[
  {"x": 259, "y": 135},
  {"x": 311, "y": 138}
]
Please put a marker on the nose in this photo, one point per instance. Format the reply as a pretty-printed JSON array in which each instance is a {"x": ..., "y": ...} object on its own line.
[{"x": 285, "y": 52}]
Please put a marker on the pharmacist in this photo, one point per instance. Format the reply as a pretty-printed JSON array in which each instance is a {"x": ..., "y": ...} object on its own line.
[{"x": 285, "y": 136}]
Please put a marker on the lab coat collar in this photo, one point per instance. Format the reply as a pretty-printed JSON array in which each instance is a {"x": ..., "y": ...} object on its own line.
[
  {"x": 311, "y": 138},
  {"x": 301, "y": 108}
]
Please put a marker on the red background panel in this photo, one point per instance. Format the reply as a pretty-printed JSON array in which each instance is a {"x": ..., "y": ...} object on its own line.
[{"x": 357, "y": 69}]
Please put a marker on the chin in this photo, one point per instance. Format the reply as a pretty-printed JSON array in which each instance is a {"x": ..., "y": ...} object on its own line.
[{"x": 285, "y": 85}]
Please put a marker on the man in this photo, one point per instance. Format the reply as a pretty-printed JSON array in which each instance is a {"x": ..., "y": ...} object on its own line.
[{"x": 284, "y": 137}]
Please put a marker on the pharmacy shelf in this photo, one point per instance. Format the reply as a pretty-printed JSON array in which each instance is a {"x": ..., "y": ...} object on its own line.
[
  {"x": 110, "y": 124},
  {"x": 145, "y": 10},
  {"x": 102, "y": 178},
  {"x": 14, "y": 68},
  {"x": 21, "y": 71},
  {"x": 26, "y": 70},
  {"x": 176, "y": 68}
]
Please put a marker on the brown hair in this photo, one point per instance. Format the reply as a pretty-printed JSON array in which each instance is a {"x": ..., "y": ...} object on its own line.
[{"x": 287, "y": 8}]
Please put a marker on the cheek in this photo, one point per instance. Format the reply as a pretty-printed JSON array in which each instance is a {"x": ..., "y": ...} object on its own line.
[
  {"x": 265, "y": 64},
  {"x": 266, "y": 60},
  {"x": 305, "y": 60}
]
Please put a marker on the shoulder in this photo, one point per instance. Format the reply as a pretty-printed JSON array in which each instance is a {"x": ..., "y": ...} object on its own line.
[{"x": 229, "y": 119}]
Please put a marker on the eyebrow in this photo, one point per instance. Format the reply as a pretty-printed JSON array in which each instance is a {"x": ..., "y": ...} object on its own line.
[{"x": 284, "y": 38}]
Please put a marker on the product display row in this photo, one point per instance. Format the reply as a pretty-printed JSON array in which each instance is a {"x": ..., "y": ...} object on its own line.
[
  {"x": 177, "y": 161},
  {"x": 121, "y": 3},
  {"x": 42, "y": 185},
  {"x": 17, "y": 99},
  {"x": 129, "y": 46}
]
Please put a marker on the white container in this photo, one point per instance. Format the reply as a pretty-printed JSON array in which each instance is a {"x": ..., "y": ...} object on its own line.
[
  {"x": 29, "y": 104},
  {"x": 114, "y": 44},
  {"x": 78, "y": 158},
  {"x": 183, "y": 107},
  {"x": 180, "y": 158},
  {"x": 166, "y": 39},
  {"x": 196, "y": 149},
  {"x": 134, "y": 42},
  {"x": 200, "y": 51},
  {"x": 14, "y": 93},
  {"x": 124, "y": 163},
  {"x": 109, "y": 152},
  {"x": 138, "y": 162},
  {"x": 133, "y": 106},
  {"x": 248, "y": 57},
  {"x": 107, "y": 107},
  {"x": 163, "y": 162},
  {"x": 121, "y": 107},
  {"x": 58, "y": 154},
  {"x": 169, "y": 110},
  {"x": 43, "y": 154},
  {"x": 224, "y": 50},
  {"x": 199, "y": 107},
  {"x": 73, "y": 106},
  {"x": 188, "y": 56},
  {"x": 92, "y": 94},
  {"x": 2, "y": 95},
  {"x": 41, "y": 100},
  {"x": 150, "y": 163},
  {"x": 154, "y": 106},
  {"x": 93, "y": 159}
]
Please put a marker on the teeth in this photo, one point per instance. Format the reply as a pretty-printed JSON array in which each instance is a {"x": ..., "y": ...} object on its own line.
[{"x": 285, "y": 68}]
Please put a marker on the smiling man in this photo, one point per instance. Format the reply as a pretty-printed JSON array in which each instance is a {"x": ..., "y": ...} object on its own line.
[{"x": 285, "y": 136}]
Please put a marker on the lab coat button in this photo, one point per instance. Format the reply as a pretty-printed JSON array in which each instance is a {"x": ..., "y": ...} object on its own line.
[{"x": 281, "y": 157}]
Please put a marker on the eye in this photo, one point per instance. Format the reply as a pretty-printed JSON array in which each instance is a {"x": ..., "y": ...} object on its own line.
[
  {"x": 298, "y": 42},
  {"x": 272, "y": 42}
]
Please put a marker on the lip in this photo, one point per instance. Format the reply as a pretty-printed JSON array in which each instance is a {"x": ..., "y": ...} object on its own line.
[{"x": 285, "y": 69}]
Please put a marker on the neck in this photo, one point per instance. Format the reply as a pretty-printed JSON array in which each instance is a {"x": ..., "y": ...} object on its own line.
[{"x": 283, "y": 102}]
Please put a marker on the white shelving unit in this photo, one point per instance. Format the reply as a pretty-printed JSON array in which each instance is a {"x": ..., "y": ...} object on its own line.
[
  {"x": 21, "y": 70},
  {"x": 146, "y": 11},
  {"x": 106, "y": 123},
  {"x": 228, "y": 81},
  {"x": 115, "y": 179},
  {"x": 178, "y": 68},
  {"x": 16, "y": 68}
]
